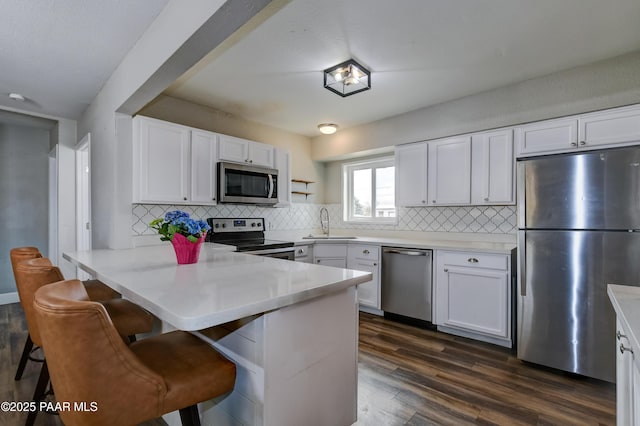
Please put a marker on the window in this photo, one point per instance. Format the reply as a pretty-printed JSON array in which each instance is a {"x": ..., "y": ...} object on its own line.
[{"x": 370, "y": 191}]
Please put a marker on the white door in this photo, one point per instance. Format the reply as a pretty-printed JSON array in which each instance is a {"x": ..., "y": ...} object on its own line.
[
  {"x": 492, "y": 180},
  {"x": 475, "y": 300},
  {"x": 83, "y": 198},
  {"x": 260, "y": 154},
  {"x": 204, "y": 157},
  {"x": 450, "y": 171},
  {"x": 164, "y": 162},
  {"x": 411, "y": 174}
]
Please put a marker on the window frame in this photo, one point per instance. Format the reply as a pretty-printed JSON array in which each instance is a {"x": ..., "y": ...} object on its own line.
[{"x": 347, "y": 190}]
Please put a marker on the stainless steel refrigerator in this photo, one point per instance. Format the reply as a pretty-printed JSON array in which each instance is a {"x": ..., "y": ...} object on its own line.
[{"x": 579, "y": 230}]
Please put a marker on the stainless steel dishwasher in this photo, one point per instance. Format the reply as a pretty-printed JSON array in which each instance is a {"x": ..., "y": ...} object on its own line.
[{"x": 407, "y": 283}]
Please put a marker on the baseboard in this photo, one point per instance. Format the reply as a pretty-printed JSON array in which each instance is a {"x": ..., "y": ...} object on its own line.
[{"x": 8, "y": 298}]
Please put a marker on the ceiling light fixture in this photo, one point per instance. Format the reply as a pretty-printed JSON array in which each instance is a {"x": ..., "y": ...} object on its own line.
[
  {"x": 347, "y": 78},
  {"x": 327, "y": 128},
  {"x": 17, "y": 97}
]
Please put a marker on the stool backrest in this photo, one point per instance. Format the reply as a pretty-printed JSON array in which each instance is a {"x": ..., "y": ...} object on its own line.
[
  {"x": 88, "y": 361},
  {"x": 18, "y": 254},
  {"x": 30, "y": 276}
]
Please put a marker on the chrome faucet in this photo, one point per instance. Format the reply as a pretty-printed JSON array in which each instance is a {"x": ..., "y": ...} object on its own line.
[{"x": 324, "y": 220}]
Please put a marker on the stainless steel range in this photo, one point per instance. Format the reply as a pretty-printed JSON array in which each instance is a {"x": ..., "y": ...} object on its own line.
[{"x": 247, "y": 235}]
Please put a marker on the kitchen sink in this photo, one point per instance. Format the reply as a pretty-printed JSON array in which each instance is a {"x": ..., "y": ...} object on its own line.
[{"x": 326, "y": 237}]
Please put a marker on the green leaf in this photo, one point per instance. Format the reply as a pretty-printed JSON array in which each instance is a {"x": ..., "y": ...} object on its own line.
[{"x": 192, "y": 239}]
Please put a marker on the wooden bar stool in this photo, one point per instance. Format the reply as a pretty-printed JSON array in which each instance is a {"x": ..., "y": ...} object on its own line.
[
  {"x": 130, "y": 384},
  {"x": 96, "y": 290},
  {"x": 129, "y": 319}
]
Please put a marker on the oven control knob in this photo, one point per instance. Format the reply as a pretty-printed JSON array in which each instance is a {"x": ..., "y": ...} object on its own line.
[
  {"x": 217, "y": 225},
  {"x": 253, "y": 224},
  {"x": 259, "y": 224},
  {"x": 224, "y": 225}
]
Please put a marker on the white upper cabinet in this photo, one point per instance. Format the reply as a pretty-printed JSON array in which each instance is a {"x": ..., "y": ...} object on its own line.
[
  {"x": 175, "y": 164},
  {"x": 204, "y": 148},
  {"x": 618, "y": 126},
  {"x": 547, "y": 137},
  {"x": 492, "y": 177},
  {"x": 161, "y": 162},
  {"x": 449, "y": 181},
  {"x": 614, "y": 127},
  {"x": 283, "y": 165},
  {"x": 411, "y": 174},
  {"x": 244, "y": 151}
]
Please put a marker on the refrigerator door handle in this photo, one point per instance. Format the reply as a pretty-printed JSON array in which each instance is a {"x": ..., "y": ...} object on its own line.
[
  {"x": 522, "y": 263},
  {"x": 520, "y": 185}
]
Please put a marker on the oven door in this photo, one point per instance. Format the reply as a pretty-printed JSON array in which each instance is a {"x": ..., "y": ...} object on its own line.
[
  {"x": 287, "y": 253},
  {"x": 242, "y": 184}
]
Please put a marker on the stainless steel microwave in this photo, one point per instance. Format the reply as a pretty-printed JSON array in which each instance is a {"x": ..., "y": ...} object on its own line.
[{"x": 242, "y": 184}]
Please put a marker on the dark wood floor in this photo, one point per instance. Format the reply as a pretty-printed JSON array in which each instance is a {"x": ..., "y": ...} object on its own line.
[{"x": 407, "y": 376}]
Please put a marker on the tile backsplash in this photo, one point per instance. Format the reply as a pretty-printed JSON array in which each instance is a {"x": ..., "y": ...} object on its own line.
[{"x": 477, "y": 219}]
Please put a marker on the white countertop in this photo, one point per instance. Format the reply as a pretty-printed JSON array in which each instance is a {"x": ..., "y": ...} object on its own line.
[
  {"x": 436, "y": 241},
  {"x": 221, "y": 287},
  {"x": 626, "y": 302}
]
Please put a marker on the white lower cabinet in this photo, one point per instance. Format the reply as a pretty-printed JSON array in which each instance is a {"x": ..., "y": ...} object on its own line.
[
  {"x": 627, "y": 380},
  {"x": 472, "y": 295},
  {"x": 330, "y": 255},
  {"x": 364, "y": 257},
  {"x": 304, "y": 253}
]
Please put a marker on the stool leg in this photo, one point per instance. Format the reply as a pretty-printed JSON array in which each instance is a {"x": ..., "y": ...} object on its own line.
[
  {"x": 190, "y": 416},
  {"x": 132, "y": 338},
  {"x": 28, "y": 345},
  {"x": 38, "y": 394}
]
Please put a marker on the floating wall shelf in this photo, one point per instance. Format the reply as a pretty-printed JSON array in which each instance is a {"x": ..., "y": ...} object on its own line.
[{"x": 306, "y": 186}]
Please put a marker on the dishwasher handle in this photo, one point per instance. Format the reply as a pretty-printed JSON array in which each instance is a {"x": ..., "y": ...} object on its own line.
[{"x": 408, "y": 252}]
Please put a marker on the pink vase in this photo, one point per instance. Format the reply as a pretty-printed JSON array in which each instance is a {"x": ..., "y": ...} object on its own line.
[{"x": 186, "y": 251}]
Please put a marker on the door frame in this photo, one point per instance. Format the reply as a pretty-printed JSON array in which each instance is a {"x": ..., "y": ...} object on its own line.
[{"x": 83, "y": 197}]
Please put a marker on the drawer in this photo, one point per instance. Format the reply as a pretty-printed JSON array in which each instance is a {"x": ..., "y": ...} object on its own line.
[
  {"x": 330, "y": 250},
  {"x": 476, "y": 260},
  {"x": 302, "y": 251},
  {"x": 364, "y": 252}
]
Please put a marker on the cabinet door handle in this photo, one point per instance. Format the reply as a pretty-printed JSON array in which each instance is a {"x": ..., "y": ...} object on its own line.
[
  {"x": 434, "y": 201},
  {"x": 574, "y": 144},
  {"x": 472, "y": 260},
  {"x": 318, "y": 261},
  {"x": 620, "y": 335},
  {"x": 486, "y": 199},
  {"x": 375, "y": 264},
  {"x": 583, "y": 143},
  {"x": 185, "y": 198},
  {"x": 424, "y": 201},
  {"x": 213, "y": 199},
  {"x": 251, "y": 161},
  {"x": 446, "y": 270},
  {"x": 623, "y": 349},
  {"x": 365, "y": 251}
]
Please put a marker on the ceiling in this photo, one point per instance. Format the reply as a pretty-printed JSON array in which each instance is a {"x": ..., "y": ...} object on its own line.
[
  {"x": 420, "y": 52},
  {"x": 58, "y": 54}
]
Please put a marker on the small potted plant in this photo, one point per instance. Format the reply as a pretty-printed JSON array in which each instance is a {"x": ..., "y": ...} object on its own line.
[{"x": 186, "y": 234}]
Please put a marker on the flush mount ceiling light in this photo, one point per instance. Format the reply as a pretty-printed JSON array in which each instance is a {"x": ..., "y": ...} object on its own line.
[
  {"x": 327, "y": 128},
  {"x": 17, "y": 97},
  {"x": 347, "y": 78}
]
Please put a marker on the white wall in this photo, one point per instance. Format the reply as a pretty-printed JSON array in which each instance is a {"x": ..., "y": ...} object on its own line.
[
  {"x": 605, "y": 84},
  {"x": 202, "y": 117},
  {"x": 23, "y": 194},
  {"x": 63, "y": 133}
]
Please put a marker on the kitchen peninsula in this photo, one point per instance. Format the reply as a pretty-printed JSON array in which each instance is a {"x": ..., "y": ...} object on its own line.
[{"x": 290, "y": 327}]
